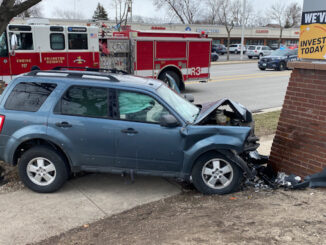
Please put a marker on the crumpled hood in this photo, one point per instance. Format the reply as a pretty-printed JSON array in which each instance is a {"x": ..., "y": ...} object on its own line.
[{"x": 208, "y": 108}]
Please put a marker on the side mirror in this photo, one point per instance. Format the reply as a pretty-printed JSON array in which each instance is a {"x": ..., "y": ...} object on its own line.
[
  {"x": 189, "y": 97},
  {"x": 14, "y": 43},
  {"x": 169, "y": 121}
]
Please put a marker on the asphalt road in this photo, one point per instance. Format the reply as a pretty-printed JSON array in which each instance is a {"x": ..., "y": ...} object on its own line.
[{"x": 244, "y": 83}]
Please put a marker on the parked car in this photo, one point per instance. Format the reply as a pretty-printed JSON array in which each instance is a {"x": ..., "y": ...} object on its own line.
[
  {"x": 219, "y": 49},
  {"x": 278, "y": 59},
  {"x": 54, "y": 123},
  {"x": 236, "y": 48},
  {"x": 258, "y": 51},
  {"x": 214, "y": 57}
]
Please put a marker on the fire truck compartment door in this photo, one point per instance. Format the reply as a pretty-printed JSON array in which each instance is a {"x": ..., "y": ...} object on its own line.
[
  {"x": 4, "y": 58},
  {"x": 145, "y": 55},
  {"x": 171, "y": 50},
  {"x": 199, "y": 59}
]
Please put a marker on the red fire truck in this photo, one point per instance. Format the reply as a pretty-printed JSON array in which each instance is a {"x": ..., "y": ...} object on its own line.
[{"x": 184, "y": 56}]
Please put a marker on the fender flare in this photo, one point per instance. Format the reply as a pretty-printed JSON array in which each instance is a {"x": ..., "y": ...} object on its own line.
[{"x": 171, "y": 67}]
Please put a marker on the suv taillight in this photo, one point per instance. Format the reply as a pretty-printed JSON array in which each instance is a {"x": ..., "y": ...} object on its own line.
[{"x": 2, "y": 120}]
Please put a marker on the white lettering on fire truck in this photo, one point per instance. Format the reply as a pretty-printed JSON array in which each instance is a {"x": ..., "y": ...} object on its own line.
[
  {"x": 54, "y": 60},
  {"x": 195, "y": 71}
]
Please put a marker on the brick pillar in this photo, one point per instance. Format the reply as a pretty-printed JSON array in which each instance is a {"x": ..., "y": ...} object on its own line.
[{"x": 299, "y": 146}]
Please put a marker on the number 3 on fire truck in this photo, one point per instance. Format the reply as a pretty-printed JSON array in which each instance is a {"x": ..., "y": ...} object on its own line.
[{"x": 195, "y": 71}]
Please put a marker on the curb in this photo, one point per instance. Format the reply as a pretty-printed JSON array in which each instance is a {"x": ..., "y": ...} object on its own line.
[
  {"x": 233, "y": 62},
  {"x": 262, "y": 111}
]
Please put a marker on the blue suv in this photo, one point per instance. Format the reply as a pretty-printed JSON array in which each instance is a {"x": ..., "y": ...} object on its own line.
[{"x": 55, "y": 123}]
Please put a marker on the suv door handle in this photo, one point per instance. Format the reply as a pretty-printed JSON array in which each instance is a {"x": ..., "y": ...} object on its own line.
[
  {"x": 63, "y": 125},
  {"x": 129, "y": 131}
]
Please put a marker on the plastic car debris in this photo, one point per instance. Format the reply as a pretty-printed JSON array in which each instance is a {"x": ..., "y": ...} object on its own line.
[{"x": 316, "y": 180}]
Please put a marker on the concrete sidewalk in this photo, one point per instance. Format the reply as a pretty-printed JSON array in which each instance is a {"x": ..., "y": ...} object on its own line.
[{"x": 27, "y": 217}]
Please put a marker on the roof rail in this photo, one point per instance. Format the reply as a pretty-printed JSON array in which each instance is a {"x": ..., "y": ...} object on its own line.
[
  {"x": 73, "y": 74},
  {"x": 115, "y": 71}
]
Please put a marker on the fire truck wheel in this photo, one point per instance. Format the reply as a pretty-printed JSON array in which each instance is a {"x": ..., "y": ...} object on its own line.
[{"x": 175, "y": 77}]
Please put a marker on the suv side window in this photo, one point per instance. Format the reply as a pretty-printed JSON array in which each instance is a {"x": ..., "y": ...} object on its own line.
[
  {"x": 84, "y": 101},
  {"x": 29, "y": 96},
  {"x": 139, "y": 107}
]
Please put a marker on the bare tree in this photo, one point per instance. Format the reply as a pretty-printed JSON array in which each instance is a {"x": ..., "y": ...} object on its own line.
[
  {"x": 227, "y": 13},
  {"x": 186, "y": 11},
  {"x": 278, "y": 15},
  {"x": 285, "y": 16},
  {"x": 67, "y": 14},
  {"x": 121, "y": 11},
  {"x": 293, "y": 15},
  {"x": 10, "y": 9},
  {"x": 34, "y": 11}
]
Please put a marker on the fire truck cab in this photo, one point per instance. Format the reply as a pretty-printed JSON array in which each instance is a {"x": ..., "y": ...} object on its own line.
[{"x": 46, "y": 46}]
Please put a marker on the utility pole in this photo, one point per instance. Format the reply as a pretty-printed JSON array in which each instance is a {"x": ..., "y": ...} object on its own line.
[
  {"x": 242, "y": 31},
  {"x": 130, "y": 10}
]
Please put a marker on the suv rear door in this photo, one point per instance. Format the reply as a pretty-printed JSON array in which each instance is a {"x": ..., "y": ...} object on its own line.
[{"x": 81, "y": 120}]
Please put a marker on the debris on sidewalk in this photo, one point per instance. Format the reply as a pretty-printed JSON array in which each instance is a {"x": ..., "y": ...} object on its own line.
[{"x": 266, "y": 178}]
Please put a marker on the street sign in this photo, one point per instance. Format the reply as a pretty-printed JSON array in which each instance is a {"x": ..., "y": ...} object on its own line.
[{"x": 312, "y": 44}]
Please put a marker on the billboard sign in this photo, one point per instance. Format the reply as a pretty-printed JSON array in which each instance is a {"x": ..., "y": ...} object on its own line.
[{"x": 312, "y": 43}]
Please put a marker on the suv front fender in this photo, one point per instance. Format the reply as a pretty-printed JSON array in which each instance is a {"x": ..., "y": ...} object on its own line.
[{"x": 223, "y": 139}]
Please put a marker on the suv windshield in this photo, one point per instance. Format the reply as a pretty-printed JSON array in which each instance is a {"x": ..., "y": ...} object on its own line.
[
  {"x": 251, "y": 48},
  {"x": 184, "y": 108}
]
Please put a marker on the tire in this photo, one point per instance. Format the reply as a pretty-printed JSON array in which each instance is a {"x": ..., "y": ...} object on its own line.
[
  {"x": 262, "y": 69},
  {"x": 42, "y": 169},
  {"x": 250, "y": 57},
  {"x": 205, "y": 182},
  {"x": 175, "y": 76},
  {"x": 236, "y": 52},
  {"x": 281, "y": 66},
  {"x": 215, "y": 58}
]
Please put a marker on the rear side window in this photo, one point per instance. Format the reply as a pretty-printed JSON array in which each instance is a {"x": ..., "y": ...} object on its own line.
[
  {"x": 29, "y": 96},
  {"x": 84, "y": 101},
  {"x": 57, "y": 41},
  {"x": 77, "y": 41}
]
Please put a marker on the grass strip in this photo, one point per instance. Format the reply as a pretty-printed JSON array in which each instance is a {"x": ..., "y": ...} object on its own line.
[{"x": 266, "y": 123}]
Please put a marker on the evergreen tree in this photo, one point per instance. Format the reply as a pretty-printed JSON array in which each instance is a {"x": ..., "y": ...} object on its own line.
[{"x": 100, "y": 13}]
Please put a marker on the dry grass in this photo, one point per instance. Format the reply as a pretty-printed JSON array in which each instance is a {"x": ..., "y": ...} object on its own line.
[{"x": 266, "y": 123}]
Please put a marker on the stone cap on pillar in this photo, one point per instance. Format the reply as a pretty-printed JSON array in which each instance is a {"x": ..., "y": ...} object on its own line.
[{"x": 307, "y": 65}]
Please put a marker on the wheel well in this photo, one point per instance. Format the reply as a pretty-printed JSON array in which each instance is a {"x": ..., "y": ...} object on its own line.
[
  {"x": 25, "y": 146},
  {"x": 172, "y": 68}
]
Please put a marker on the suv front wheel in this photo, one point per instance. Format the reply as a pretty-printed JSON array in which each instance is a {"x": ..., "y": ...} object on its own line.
[
  {"x": 42, "y": 169},
  {"x": 215, "y": 174}
]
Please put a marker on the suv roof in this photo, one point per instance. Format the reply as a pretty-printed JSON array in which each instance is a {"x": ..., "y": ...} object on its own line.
[{"x": 95, "y": 76}]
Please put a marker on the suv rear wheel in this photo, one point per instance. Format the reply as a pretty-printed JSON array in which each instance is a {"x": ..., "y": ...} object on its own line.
[
  {"x": 215, "y": 174},
  {"x": 42, "y": 169}
]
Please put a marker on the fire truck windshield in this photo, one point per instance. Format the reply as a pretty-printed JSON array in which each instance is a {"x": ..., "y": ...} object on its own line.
[{"x": 3, "y": 45}]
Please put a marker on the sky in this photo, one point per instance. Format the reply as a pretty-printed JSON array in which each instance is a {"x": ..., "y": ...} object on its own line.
[{"x": 140, "y": 7}]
